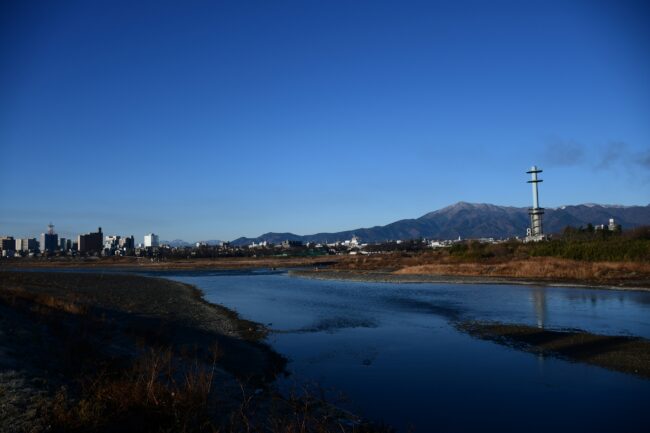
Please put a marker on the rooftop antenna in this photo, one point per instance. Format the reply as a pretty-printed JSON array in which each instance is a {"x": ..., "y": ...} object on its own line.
[{"x": 535, "y": 231}]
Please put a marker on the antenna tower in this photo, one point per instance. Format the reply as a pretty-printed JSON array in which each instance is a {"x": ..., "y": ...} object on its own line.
[{"x": 535, "y": 232}]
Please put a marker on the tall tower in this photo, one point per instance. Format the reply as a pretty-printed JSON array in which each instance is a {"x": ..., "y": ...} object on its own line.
[
  {"x": 535, "y": 232},
  {"x": 49, "y": 240}
]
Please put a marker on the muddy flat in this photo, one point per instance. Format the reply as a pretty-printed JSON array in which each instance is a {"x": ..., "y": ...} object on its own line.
[{"x": 615, "y": 352}]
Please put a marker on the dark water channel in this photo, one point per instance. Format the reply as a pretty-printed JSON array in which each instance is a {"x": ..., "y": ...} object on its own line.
[{"x": 393, "y": 351}]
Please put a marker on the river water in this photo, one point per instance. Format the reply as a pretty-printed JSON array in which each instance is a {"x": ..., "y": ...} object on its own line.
[{"x": 393, "y": 353}]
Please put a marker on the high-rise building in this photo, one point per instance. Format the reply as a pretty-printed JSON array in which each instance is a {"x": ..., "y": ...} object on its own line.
[
  {"x": 49, "y": 240},
  {"x": 62, "y": 243},
  {"x": 111, "y": 242},
  {"x": 111, "y": 245},
  {"x": 91, "y": 242},
  {"x": 26, "y": 244},
  {"x": 127, "y": 243},
  {"x": 151, "y": 241},
  {"x": 7, "y": 243}
]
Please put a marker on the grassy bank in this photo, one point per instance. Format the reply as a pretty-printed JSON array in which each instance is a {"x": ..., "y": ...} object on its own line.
[
  {"x": 544, "y": 269},
  {"x": 108, "y": 353},
  {"x": 619, "y": 353},
  {"x": 503, "y": 261}
]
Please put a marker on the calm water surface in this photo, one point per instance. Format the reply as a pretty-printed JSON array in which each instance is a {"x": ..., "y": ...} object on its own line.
[{"x": 393, "y": 351}]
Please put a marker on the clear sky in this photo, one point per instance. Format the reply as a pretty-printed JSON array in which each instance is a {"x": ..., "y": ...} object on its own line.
[{"x": 214, "y": 120}]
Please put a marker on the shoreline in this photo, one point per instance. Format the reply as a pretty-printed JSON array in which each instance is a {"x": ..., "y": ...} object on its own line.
[
  {"x": 552, "y": 272},
  {"x": 625, "y": 354},
  {"x": 391, "y": 277},
  {"x": 74, "y": 339},
  {"x": 110, "y": 351}
]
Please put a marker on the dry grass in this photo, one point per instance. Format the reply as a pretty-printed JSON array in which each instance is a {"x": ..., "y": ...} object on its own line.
[
  {"x": 157, "y": 393},
  {"x": 43, "y": 303},
  {"x": 538, "y": 268}
]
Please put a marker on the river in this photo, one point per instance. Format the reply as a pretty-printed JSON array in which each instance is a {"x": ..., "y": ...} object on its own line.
[{"x": 394, "y": 355}]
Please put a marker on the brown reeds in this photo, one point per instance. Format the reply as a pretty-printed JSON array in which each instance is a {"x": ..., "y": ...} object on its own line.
[
  {"x": 157, "y": 393},
  {"x": 537, "y": 268}
]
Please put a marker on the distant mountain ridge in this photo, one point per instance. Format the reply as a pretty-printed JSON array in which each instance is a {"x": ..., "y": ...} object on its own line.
[{"x": 475, "y": 220}]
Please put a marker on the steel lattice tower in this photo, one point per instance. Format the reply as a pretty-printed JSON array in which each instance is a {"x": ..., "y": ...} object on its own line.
[{"x": 536, "y": 212}]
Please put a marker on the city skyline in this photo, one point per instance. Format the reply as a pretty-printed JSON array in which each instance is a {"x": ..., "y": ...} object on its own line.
[
  {"x": 225, "y": 120},
  {"x": 581, "y": 215}
]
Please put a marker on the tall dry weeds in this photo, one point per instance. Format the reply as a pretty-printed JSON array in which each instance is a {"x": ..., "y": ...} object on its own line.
[{"x": 537, "y": 267}]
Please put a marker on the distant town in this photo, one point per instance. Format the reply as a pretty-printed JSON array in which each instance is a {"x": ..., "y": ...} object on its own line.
[{"x": 96, "y": 244}]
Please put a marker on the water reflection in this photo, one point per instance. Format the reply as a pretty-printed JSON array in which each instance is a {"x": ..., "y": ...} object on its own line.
[
  {"x": 539, "y": 302},
  {"x": 392, "y": 349}
]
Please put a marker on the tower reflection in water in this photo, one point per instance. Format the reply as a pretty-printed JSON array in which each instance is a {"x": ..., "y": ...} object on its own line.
[{"x": 539, "y": 303}]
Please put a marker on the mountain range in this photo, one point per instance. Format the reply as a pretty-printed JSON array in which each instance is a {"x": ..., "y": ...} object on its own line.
[{"x": 475, "y": 220}]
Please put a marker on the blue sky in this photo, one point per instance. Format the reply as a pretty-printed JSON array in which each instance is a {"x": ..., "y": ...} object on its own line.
[{"x": 214, "y": 120}]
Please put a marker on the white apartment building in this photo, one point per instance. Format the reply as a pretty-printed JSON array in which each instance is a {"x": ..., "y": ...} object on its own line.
[{"x": 151, "y": 241}]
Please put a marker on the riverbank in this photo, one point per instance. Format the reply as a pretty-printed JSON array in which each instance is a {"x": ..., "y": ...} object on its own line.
[
  {"x": 531, "y": 271},
  {"x": 109, "y": 352},
  {"x": 615, "y": 352},
  {"x": 392, "y": 267},
  {"x": 390, "y": 277}
]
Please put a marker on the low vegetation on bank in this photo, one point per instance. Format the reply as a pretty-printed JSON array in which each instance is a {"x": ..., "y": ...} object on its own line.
[
  {"x": 583, "y": 257},
  {"x": 577, "y": 256},
  {"x": 106, "y": 353},
  {"x": 544, "y": 269},
  {"x": 620, "y": 353}
]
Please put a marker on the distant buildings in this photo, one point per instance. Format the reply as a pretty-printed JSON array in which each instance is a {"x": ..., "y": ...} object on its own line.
[
  {"x": 352, "y": 243},
  {"x": 7, "y": 243},
  {"x": 610, "y": 226},
  {"x": 151, "y": 241},
  {"x": 613, "y": 226},
  {"x": 127, "y": 243},
  {"x": 26, "y": 245},
  {"x": 49, "y": 240},
  {"x": 118, "y": 246},
  {"x": 291, "y": 244},
  {"x": 91, "y": 242},
  {"x": 111, "y": 243}
]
